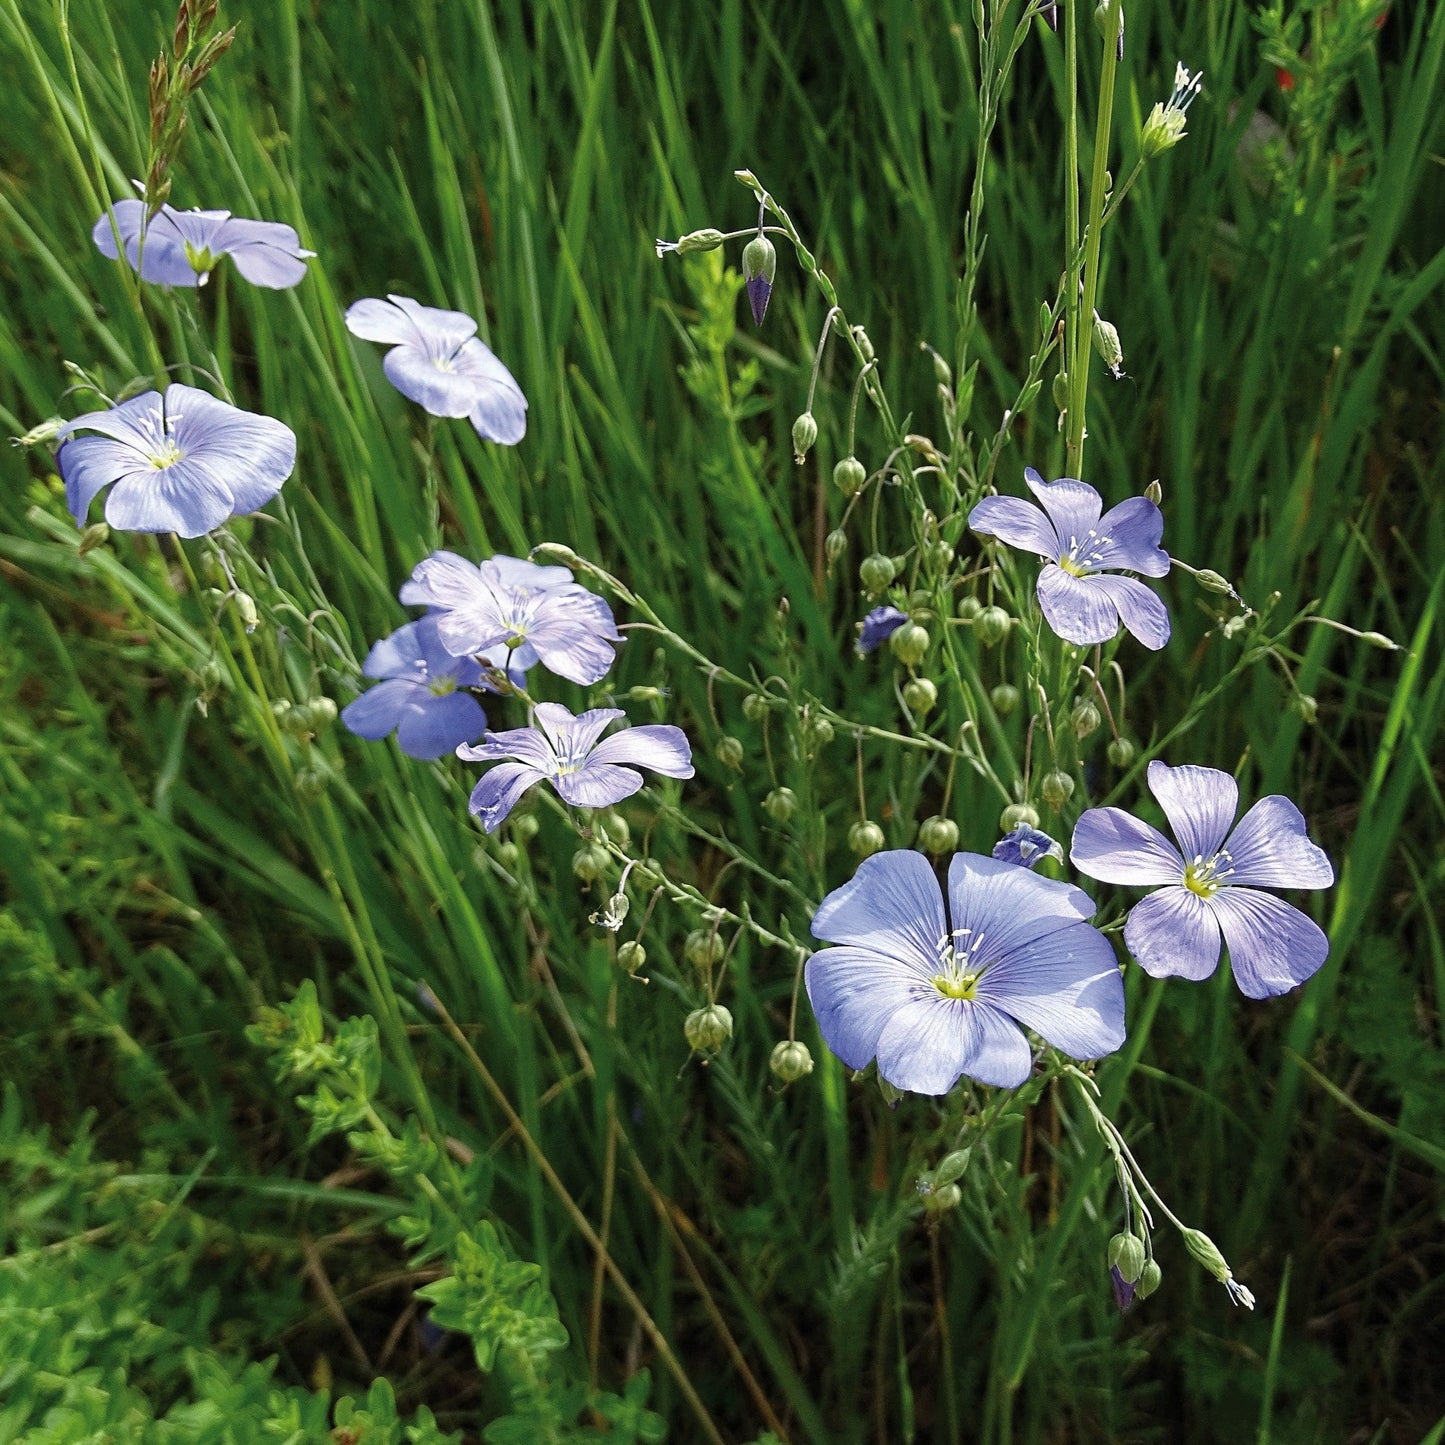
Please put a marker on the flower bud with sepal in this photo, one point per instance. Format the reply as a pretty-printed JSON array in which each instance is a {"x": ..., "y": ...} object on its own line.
[
  {"x": 760, "y": 264},
  {"x": 791, "y": 1061},
  {"x": 938, "y": 835},
  {"x": 708, "y": 1029},
  {"x": 865, "y": 839}
]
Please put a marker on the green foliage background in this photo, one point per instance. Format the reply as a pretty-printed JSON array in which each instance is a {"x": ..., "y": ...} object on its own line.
[{"x": 168, "y": 1224}]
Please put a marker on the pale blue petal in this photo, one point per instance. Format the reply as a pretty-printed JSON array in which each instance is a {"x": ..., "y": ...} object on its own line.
[
  {"x": 854, "y": 992},
  {"x": 379, "y": 709},
  {"x": 444, "y": 580},
  {"x": 1018, "y": 523},
  {"x": 597, "y": 785},
  {"x": 129, "y": 214},
  {"x": 1271, "y": 849},
  {"x": 1141, "y": 612},
  {"x": 89, "y": 464},
  {"x": 499, "y": 792},
  {"x": 1272, "y": 946},
  {"x": 658, "y": 746},
  {"x": 526, "y": 744},
  {"x": 134, "y": 422},
  {"x": 518, "y": 574},
  {"x": 573, "y": 632},
  {"x": 1173, "y": 935},
  {"x": 1129, "y": 539},
  {"x": 500, "y": 415},
  {"x": 442, "y": 332},
  {"x": 417, "y": 376},
  {"x": 267, "y": 265},
  {"x": 1200, "y": 804},
  {"x": 891, "y": 906},
  {"x": 249, "y": 454},
  {"x": 998, "y": 909},
  {"x": 376, "y": 320},
  {"x": 181, "y": 499},
  {"x": 399, "y": 655},
  {"x": 1077, "y": 608},
  {"x": 435, "y": 726},
  {"x": 1116, "y": 847},
  {"x": 1073, "y": 507},
  {"x": 927, "y": 1044},
  {"x": 573, "y": 737}
]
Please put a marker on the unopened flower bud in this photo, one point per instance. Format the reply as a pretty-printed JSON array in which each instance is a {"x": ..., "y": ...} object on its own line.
[
  {"x": 1061, "y": 390},
  {"x": 941, "y": 371},
  {"x": 834, "y": 545},
  {"x": 1149, "y": 1278},
  {"x": 509, "y": 855},
  {"x": 1122, "y": 752},
  {"x": 968, "y": 607},
  {"x": 1085, "y": 718},
  {"x": 938, "y": 556},
  {"x": 211, "y": 674},
  {"x": 951, "y": 1168},
  {"x": 760, "y": 262},
  {"x": 1213, "y": 582},
  {"x": 589, "y": 862},
  {"x": 524, "y": 827},
  {"x": 1378, "y": 639},
  {"x": 1107, "y": 344},
  {"x": 920, "y": 695},
  {"x": 704, "y": 949},
  {"x": 696, "y": 241},
  {"x": 805, "y": 433},
  {"x": 865, "y": 839},
  {"x": 1005, "y": 698},
  {"x": 708, "y": 1029},
  {"x": 938, "y": 835},
  {"x": 865, "y": 346},
  {"x": 95, "y": 535},
  {"x": 631, "y": 956},
  {"x": 1206, "y": 1252},
  {"x": 876, "y": 572},
  {"x": 1017, "y": 813},
  {"x": 246, "y": 610},
  {"x": 849, "y": 476},
  {"x": 941, "y": 1200},
  {"x": 45, "y": 432},
  {"x": 791, "y": 1061},
  {"x": 311, "y": 781},
  {"x": 1101, "y": 22},
  {"x": 780, "y": 804},
  {"x": 1305, "y": 706},
  {"x": 755, "y": 707},
  {"x": 991, "y": 625},
  {"x": 1126, "y": 1254},
  {"x": 819, "y": 732},
  {"x": 730, "y": 753},
  {"x": 909, "y": 644},
  {"x": 1154, "y": 492},
  {"x": 1056, "y": 788},
  {"x": 614, "y": 826}
]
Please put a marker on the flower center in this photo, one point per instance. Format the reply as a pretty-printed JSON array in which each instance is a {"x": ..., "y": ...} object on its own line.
[
  {"x": 201, "y": 259},
  {"x": 161, "y": 449},
  {"x": 1205, "y": 876},
  {"x": 441, "y": 686},
  {"x": 958, "y": 972},
  {"x": 1084, "y": 555}
]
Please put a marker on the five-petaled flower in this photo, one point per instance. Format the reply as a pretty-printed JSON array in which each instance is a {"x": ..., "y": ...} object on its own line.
[
  {"x": 417, "y": 696},
  {"x": 1211, "y": 881},
  {"x": 565, "y": 749},
  {"x": 182, "y": 248},
  {"x": 877, "y": 627},
  {"x": 438, "y": 361},
  {"x": 936, "y": 987},
  {"x": 181, "y": 463},
  {"x": 514, "y": 614},
  {"x": 1081, "y": 601}
]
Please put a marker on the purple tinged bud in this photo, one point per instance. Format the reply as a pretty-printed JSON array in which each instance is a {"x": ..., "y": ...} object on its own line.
[
  {"x": 760, "y": 264},
  {"x": 1123, "y": 1290}
]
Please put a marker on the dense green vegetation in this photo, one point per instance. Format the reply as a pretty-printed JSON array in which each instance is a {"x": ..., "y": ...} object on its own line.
[{"x": 293, "y": 1054}]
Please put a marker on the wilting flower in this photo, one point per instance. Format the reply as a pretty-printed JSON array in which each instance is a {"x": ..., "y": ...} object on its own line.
[
  {"x": 1165, "y": 126},
  {"x": 417, "y": 696},
  {"x": 565, "y": 749},
  {"x": 182, "y": 248},
  {"x": 935, "y": 988},
  {"x": 1211, "y": 881},
  {"x": 515, "y": 614},
  {"x": 877, "y": 627},
  {"x": 438, "y": 361},
  {"x": 181, "y": 463},
  {"x": 1026, "y": 847},
  {"x": 1079, "y": 599}
]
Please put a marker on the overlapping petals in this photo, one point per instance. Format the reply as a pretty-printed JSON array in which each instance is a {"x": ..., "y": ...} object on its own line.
[
  {"x": 1208, "y": 886},
  {"x": 438, "y": 361},
  {"x": 182, "y": 248},
  {"x": 1080, "y": 594},
  {"x": 515, "y": 614},
  {"x": 183, "y": 462},
  {"x": 1026, "y": 847},
  {"x": 566, "y": 750},
  {"x": 934, "y": 990},
  {"x": 417, "y": 696}
]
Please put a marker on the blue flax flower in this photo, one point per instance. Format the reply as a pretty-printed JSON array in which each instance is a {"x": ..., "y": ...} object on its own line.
[
  {"x": 935, "y": 987},
  {"x": 181, "y": 463},
  {"x": 438, "y": 361},
  {"x": 1211, "y": 881},
  {"x": 565, "y": 749},
  {"x": 1026, "y": 847},
  {"x": 1081, "y": 601},
  {"x": 182, "y": 248},
  {"x": 516, "y": 614},
  {"x": 877, "y": 627},
  {"x": 417, "y": 696}
]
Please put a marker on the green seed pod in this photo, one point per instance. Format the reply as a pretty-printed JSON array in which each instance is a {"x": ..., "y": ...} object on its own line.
[
  {"x": 951, "y": 1168},
  {"x": 780, "y": 804},
  {"x": 819, "y": 732},
  {"x": 805, "y": 433},
  {"x": 524, "y": 827},
  {"x": 1084, "y": 718},
  {"x": 1015, "y": 814},
  {"x": 834, "y": 545},
  {"x": 704, "y": 240},
  {"x": 909, "y": 644},
  {"x": 730, "y": 753},
  {"x": 1005, "y": 698},
  {"x": 95, "y": 535},
  {"x": 920, "y": 695},
  {"x": 1122, "y": 752},
  {"x": 589, "y": 862},
  {"x": 1061, "y": 391},
  {"x": 246, "y": 610},
  {"x": 849, "y": 476},
  {"x": 631, "y": 956},
  {"x": 311, "y": 781},
  {"x": 1148, "y": 1281},
  {"x": 1305, "y": 706},
  {"x": 791, "y": 1061},
  {"x": 968, "y": 607},
  {"x": 1056, "y": 788},
  {"x": 938, "y": 556},
  {"x": 938, "y": 835},
  {"x": 755, "y": 707},
  {"x": 876, "y": 572},
  {"x": 1126, "y": 1254},
  {"x": 509, "y": 855},
  {"x": 708, "y": 1029},
  {"x": 940, "y": 1201},
  {"x": 1107, "y": 344},
  {"x": 614, "y": 825},
  {"x": 210, "y": 674},
  {"x": 320, "y": 713},
  {"x": 704, "y": 949},
  {"x": 991, "y": 625},
  {"x": 865, "y": 839}
]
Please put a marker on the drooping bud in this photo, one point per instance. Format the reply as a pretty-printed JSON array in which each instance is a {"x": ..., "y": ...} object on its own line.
[
  {"x": 1056, "y": 788},
  {"x": 44, "y": 433},
  {"x": 589, "y": 862},
  {"x": 1061, "y": 390},
  {"x": 805, "y": 433},
  {"x": 791, "y": 1061},
  {"x": 1212, "y": 582},
  {"x": 968, "y": 607},
  {"x": 941, "y": 1200},
  {"x": 780, "y": 804},
  {"x": 613, "y": 914},
  {"x": 703, "y": 949},
  {"x": 865, "y": 839},
  {"x": 849, "y": 476},
  {"x": 631, "y": 956},
  {"x": 920, "y": 696},
  {"x": 525, "y": 827},
  {"x": 909, "y": 644},
  {"x": 708, "y": 1029},
  {"x": 730, "y": 753},
  {"x": 755, "y": 707},
  {"x": 1305, "y": 707},
  {"x": 1122, "y": 752},
  {"x": 991, "y": 625},
  {"x": 760, "y": 262},
  {"x": 938, "y": 555},
  {"x": 1126, "y": 1254},
  {"x": 1085, "y": 718},
  {"x": 614, "y": 825},
  {"x": 818, "y": 732},
  {"x": 1149, "y": 1279},
  {"x": 1108, "y": 345},
  {"x": 876, "y": 572},
  {"x": 938, "y": 835},
  {"x": 1017, "y": 813},
  {"x": 1005, "y": 698},
  {"x": 834, "y": 545}
]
